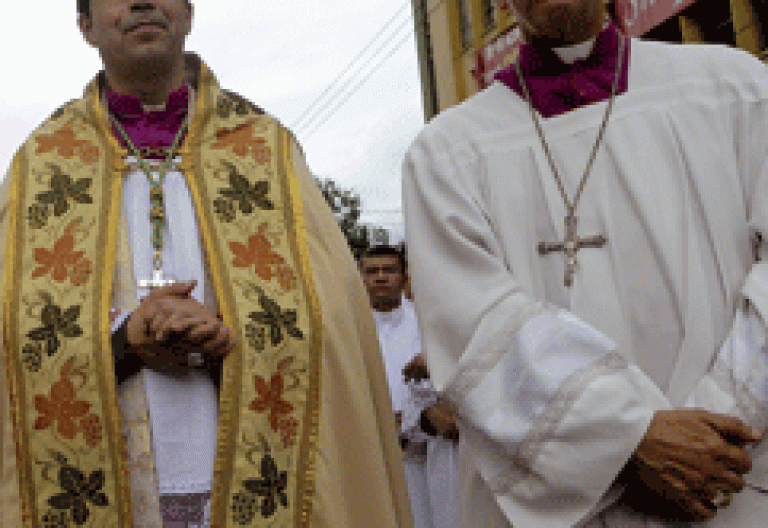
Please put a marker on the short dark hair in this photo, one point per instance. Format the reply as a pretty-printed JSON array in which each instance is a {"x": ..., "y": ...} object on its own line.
[
  {"x": 84, "y": 7},
  {"x": 385, "y": 251}
]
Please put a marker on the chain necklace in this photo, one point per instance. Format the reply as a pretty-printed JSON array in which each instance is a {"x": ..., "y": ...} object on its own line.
[
  {"x": 572, "y": 242},
  {"x": 157, "y": 209}
]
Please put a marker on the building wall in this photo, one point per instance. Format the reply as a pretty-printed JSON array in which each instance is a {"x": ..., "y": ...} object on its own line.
[{"x": 455, "y": 43}]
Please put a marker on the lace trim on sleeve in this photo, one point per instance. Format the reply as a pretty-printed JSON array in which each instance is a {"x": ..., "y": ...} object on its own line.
[
  {"x": 472, "y": 371},
  {"x": 747, "y": 405},
  {"x": 549, "y": 420}
]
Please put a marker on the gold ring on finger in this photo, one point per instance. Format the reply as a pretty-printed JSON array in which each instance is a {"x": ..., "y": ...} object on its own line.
[
  {"x": 721, "y": 499},
  {"x": 195, "y": 359}
]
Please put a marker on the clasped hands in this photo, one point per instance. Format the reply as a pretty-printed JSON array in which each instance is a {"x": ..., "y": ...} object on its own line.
[
  {"x": 441, "y": 415},
  {"x": 693, "y": 460},
  {"x": 168, "y": 325}
]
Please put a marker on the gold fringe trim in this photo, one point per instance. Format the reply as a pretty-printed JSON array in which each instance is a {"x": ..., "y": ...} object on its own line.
[
  {"x": 114, "y": 167},
  {"x": 307, "y": 474},
  {"x": 229, "y": 396},
  {"x": 15, "y": 387}
]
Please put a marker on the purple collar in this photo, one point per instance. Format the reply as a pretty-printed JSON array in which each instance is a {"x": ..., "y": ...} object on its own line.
[
  {"x": 152, "y": 128},
  {"x": 557, "y": 87}
]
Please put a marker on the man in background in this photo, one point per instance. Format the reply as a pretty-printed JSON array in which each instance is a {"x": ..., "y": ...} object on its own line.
[{"x": 428, "y": 431}]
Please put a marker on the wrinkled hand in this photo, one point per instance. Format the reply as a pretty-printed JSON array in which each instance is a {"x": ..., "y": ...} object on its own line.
[
  {"x": 416, "y": 369},
  {"x": 686, "y": 456},
  {"x": 443, "y": 419},
  {"x": 169, "y": 324}
]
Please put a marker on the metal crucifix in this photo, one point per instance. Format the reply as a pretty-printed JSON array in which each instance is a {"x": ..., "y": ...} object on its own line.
[
  {"x": 571, "y": 245},
  {"x": 158, "y": 280}
]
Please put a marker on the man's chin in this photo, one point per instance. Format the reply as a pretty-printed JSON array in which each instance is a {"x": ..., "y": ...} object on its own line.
[
  {"x": 142, "y": 59},
  {"x": 563, "y": 24}
]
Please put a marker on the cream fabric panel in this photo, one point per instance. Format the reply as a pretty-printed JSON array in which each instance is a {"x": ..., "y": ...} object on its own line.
[
  {"x": 360, "y": 481},
  {"x": 10, "y": 505}
]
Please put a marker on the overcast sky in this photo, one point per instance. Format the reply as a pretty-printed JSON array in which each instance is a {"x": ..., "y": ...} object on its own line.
[{"x": 281, "y": 54}]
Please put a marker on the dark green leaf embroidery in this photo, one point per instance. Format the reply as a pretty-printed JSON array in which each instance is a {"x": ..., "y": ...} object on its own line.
[
  {"x": 225, "y": 209},
  {"x": 271, "y": 486},
  {"x": 240, "y": 191},
  {"x": 38, "y": 215},
  {"x": 31, "y": 356},
  {"x": 78, "y": 492},
  {"x": 229, "y": 102},
  {"x": 277, "y": 320},
  {"x": 62, "y": 188},
  {"x": 60, "y": 110},
  {"x": 256, "y": 337},
  {"x": 56, "y": 519},
  {"x": 54, "y": 323},
  {"x": 243, "y": 507}
]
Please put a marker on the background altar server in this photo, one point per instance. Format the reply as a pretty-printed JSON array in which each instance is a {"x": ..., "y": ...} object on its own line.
[
  {"x": 383, "y": 270},
  {"x": 434, "y": 416},
  {"x": 158, "y": 171},
  {"x": 594, "y": 305}
]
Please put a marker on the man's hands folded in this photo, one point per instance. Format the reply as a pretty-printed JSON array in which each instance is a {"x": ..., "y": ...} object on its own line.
[
  {"x": 687, "y": 459},
  {"x": 169, "y": 324}
]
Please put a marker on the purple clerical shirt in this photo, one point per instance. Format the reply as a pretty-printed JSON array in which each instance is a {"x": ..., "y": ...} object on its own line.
[
  {"x": 557, "y": 87},
  {"x": 150, "y": 128}
]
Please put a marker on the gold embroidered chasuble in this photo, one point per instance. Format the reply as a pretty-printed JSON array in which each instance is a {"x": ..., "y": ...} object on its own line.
[{"x": 83, "y": 452}]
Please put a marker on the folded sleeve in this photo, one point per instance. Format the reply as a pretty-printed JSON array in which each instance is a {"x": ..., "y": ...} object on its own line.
[
  {"x": 550, "y": 411},
  {"x": 420, "y": 396},
  {"x": 737, "y": 382}
]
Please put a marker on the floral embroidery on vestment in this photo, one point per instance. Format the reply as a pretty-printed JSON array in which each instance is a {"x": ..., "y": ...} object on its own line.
[{"x": 58, "y": 317}]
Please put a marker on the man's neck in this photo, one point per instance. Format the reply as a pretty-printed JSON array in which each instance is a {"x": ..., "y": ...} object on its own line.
[{"x": 151, "y": 90}]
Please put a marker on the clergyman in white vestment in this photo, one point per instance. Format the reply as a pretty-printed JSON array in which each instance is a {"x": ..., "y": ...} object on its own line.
[
  {"x": 565, "y": 393},
  {"x": 383, "y": 271},
  {"x": 429, "y": 415}
]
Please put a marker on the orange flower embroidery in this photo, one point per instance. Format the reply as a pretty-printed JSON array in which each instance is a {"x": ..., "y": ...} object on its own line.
[
  {"x": 91, "y": 430},
  {"x": 59, "y": 260},
  {"x": 270, "y": 399},
  {"x": 61, "y": 406},
  {"x": 288, "y": 430},
  {"x": 286, "y": 278},
  {"x": 64, "y": 261},
  {"x": 242, "y": 142},
  {"x": 68, "y": 145},
  {"x": 258, "y": 253},
  {"x": 81, "y": 272}
]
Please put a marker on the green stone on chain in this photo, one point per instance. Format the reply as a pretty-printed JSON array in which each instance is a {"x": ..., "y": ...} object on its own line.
[{"x": 157, "y": 210}]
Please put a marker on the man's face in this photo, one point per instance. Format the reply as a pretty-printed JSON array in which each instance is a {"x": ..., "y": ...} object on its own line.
[
  {"x": 383, "y": 278},
  {"x": 565, "y": 21},
  {"x": 132, "y": 31}
]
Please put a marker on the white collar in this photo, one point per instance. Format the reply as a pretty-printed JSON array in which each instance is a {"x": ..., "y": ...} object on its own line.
[
  {"x": 392, "y": 318},
  {"x": 574, "y": 52},
  {"x": 153, "y": 108}
]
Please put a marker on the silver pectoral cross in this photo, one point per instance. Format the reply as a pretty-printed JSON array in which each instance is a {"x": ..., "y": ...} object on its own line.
[
  {"x": 571, "y": 245},
  {"x": 157, "y": 280}
]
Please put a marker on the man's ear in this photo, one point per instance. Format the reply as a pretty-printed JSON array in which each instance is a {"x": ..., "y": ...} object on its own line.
[
  {"x": 190, "y": 15},
  {"x": 86, "y": 25}
]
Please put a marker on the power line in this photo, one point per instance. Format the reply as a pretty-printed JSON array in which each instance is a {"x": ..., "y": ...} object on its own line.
[
  {"x": 317, "y": 114},
  {"x": 361, "y": 83},
  {"x": 351, "y": 63},
  {"x": 357, "y": 87}
]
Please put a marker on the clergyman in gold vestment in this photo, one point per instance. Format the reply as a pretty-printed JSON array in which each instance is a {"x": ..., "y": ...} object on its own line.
[{"x": 302, "y": 434}]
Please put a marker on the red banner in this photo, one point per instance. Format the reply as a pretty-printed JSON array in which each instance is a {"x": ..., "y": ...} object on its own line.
[
  {"x": 638, "y": 16},
  {"x": 496, "y": 56}
]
